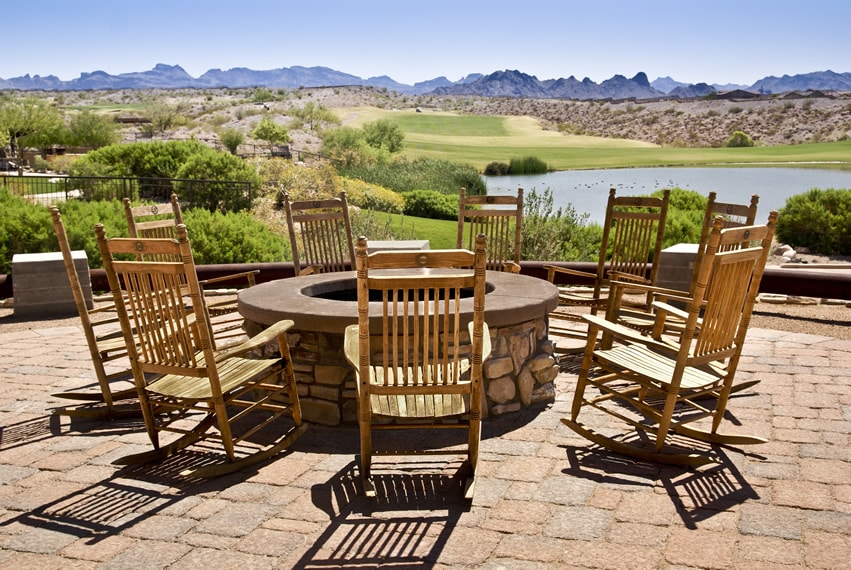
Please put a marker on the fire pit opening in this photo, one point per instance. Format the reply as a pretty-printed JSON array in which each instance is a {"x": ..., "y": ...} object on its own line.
[{"x": 346, "y": 290}]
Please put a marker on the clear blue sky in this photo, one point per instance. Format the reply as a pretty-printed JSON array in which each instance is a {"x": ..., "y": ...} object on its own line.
[{"x": 719, "y": 41}]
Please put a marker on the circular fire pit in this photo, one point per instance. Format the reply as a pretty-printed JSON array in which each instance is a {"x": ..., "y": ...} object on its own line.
[{"x": 520, "y": 370}]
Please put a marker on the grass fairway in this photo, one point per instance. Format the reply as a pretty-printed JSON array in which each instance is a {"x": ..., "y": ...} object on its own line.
[{"x": 479, "y": 140}]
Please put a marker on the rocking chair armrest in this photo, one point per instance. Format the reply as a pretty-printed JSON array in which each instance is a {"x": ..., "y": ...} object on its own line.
[
  {"x": 257, "y": 341},
  {"x": 664, "y": 309},
  {"x": 617, "y": 285},
  {"x": 553, "y": 269},
  {"x": 311, "y": 269},
  {"x": 622, "y": 332},
  {"x": 351, "y": 345},
  {"x": 511, "y": 267},
  {"x": 628, "y": 278},
  {"x": 487, "y": 347},
  {"x": 249, "y": 275},
  {"x": 618, "y": 288}
]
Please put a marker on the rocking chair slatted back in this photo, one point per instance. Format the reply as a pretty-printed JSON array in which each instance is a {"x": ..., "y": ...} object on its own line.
[
  {"x": 161, "y": 296},
  {"x": 320, "y": 235},
  {"x": 500, "y": 220},
  {"x": 730, "y": 288},
  {"x": 632, "y": 237}
]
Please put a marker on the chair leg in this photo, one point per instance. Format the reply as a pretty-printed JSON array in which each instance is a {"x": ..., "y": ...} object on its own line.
[
  {"x": 474, "y": 438},
  {"x": 581, "y": 382},
  {"x": 665, "y": 420},
  {"x": 223, "y": 420},
  {"x": 366, "y": 457}
]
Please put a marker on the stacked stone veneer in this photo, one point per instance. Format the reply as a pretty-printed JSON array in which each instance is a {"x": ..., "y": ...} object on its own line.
[{"x": 520, "y": 371}]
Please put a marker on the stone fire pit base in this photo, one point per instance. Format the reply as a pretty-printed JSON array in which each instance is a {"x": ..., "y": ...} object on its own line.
[{"x": 520, "y": 371}]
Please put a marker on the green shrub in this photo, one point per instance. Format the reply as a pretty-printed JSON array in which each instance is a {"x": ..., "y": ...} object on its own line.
[
  {"x": 174, "y": 159},
  {"x": 371, "y": 196},
  {"x": 300, "y": 181},
  {"x": 738, "y": 140},
  {"x": 216, "y": 237},
  {"x": 431, "y": 204},
  {"x": 819, "y": 220},
  {"x": 497, "y": 169},
  {"x": 562, "y": 235},
  {"x": 80, "y": 217},
  {"x": 403, "y": 175},
  {"x": 216, "y": 166},
  {"x": 686, "y": 209},
  {"x": 24, "y": 228},
  {"x": 527, "y": 165},
  {"x": 235, "y": 237}
]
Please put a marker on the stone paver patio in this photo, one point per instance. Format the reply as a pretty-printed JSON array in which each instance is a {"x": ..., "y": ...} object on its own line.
[{"x": 545, "y": 498}]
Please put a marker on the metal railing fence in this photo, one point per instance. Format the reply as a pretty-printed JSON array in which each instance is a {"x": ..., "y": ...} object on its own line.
[{"x": 231, "y": 194}]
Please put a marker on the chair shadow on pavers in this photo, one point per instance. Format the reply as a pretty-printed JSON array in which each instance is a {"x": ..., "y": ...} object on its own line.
[
  {"x": 112, "y": 506},
  {"x": 406, "y": 526},
  {"x": 695, "y": 495},
  {"x": 29, "y": 431},
  {"x": 41, "y": 428}
]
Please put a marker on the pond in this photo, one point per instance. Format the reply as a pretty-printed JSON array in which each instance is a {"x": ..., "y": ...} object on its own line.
[{"x": 587, "y": 190}]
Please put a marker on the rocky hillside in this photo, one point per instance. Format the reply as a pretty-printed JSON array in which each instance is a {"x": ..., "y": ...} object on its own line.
[{"x": 691, "y": 123}]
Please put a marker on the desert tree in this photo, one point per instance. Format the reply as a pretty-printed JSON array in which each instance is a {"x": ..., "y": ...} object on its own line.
[
  {"x": 384, "y": 134},
  {"x": 271, "y": 132},
  {"x": 313, "y": 115},
  {"x": 347, "y": 145},
  {"x": 29, "y": 122},
  {"x": 738, "y": 139},
  {"x": 163, "y": 115},
  {"x": 92, "y": 130},
  {"x": 231, "y": 138}
]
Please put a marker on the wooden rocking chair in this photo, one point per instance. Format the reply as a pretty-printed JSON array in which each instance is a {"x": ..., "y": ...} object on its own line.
[
  {"x": 320, "y": 235},
  {"x": 106, "y": 347},
  {"x": 673, "y": 383},
  {"x": 418, "y": 364},
  {"x": 500, "y": 220},
  {"x": 171, "y": 338}
]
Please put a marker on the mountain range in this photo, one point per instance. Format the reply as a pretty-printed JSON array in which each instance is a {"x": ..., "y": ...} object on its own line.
[{"x": 507, "y": 83}]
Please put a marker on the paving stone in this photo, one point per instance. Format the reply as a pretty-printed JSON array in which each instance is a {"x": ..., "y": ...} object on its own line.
[
  {"x": 802, "y": 494},
  {"x": 770, "y": 520},
  {"x": 148, "y": 554},
  {"x": 704, "y": 548},
  {"x": 267, "y": 542},
  {"x": 159, "y": 527},
  {"x": 237, "y": 519},
  {"x": 824, "y": 550},
  {"x": 98, "y": 549},
  {"x": 40, "y": 540},
  {"x": 216, "y": 558},
  {"x": 577, "y": 523}
]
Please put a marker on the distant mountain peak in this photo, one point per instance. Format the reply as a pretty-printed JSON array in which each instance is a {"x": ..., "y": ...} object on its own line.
[{"x": 503, "y": 83}]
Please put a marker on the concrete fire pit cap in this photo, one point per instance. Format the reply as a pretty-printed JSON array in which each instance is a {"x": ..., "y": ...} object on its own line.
[{"x": 510, "y": 299}]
